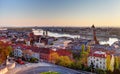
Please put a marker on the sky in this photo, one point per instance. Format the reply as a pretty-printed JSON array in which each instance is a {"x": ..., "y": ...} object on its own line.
[{"x": 102, "y": 13}]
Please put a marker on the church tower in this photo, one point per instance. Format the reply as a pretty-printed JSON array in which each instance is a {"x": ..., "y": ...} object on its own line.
[{"x": 94, "y": 34}]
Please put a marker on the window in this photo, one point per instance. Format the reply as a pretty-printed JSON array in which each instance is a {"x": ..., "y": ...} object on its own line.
[
  {"x": 97, "y": 60},
  {"x": 96, "y": 65},
  {"x": 104, "y": 63},
  {"x": 103, "y": 67},
  {"x": 100, "y": 66}
]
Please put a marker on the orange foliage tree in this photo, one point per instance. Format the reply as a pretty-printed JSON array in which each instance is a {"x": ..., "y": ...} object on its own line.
[
  {"x": 54, "y": 57},
  {"x": 5, "y": 50}
]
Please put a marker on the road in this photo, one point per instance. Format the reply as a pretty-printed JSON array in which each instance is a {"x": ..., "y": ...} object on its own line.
[
  {"x": 43, "y": 67},
  {"x": 38, "y": 70}
]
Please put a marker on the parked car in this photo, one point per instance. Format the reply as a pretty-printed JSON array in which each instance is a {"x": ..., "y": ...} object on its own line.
[{"x": 20, "y": 61}]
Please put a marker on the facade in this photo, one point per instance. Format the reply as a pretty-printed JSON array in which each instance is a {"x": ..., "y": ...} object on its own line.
[
  {"x": 30, "y": 54},
  {"x": 45, "y": 53},
  {"x": 99, "y": 58},
  {"x": 17, "y": 52},
  {"x": 64, "y": 52},
  {"x": 61, "y": 43}
]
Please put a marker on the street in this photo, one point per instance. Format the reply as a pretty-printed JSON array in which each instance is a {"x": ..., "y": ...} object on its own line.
[{"x": 36, "y": 68}]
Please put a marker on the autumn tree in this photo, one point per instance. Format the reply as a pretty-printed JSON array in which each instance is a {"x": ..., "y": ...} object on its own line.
[
  {"x": 83, "y": 48},
  {"x": 5, "y": 50},
  {"x": 88, "y": 49},
  {"x": 108, "y": 60},
  {"x": 83, "y": 55},
  {"x": 64, "y": 61},
  {"x": 116, "y": 65},
  {"x": 54, "y": 57}
]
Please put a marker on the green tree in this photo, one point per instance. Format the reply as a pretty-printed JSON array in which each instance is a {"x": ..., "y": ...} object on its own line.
[
  {"x": 100, "y": 71},
  {"x": 83, "y": 57},
  {"x": 83, "y": 47},
  {"x": 88, "y": 49},
  {"x": 78, "y": 64},
  {"x": 64, "y": 61},
  {"x": 116, "y": 65}
]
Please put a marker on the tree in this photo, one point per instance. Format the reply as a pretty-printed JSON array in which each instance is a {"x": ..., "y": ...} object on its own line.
[
  {"x": 108, "y": 63},
  {"x": 64, "y": 61},
  {"x": 83, "y": 48},
  {"x": 8, "y": 50},
  {"x": 119, "y": 61},
  {"x": 88, "y": 49},
  {"x": 5, "y": 50},
  {"x": 78, "y": 64},
  {"x": 100, "y": 71},
  {"x": 83, "y": 57},
  {"x": 54, "y": 57},
  {"x": 116, "y": 65}
]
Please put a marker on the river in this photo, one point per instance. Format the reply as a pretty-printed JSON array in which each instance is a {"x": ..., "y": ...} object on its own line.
[{"x": 102, "y": 40}]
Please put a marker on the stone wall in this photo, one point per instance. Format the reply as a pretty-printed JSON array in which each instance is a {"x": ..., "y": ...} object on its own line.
[
  {"x": 4, "y": 70},
  {"x": 11, "y": 66}
]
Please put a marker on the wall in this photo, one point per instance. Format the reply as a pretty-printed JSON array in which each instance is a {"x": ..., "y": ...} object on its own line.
[
  {"x": 8, "y": 67},
  {"x": 3, "y": 70},
  {"x": 11, "y": 66}
]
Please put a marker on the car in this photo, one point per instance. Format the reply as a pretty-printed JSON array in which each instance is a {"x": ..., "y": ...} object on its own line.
[{"x": 20, "y": 61}]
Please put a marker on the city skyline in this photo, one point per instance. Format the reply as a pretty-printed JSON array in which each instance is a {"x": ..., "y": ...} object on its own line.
[{"x": 102, "y": 13}]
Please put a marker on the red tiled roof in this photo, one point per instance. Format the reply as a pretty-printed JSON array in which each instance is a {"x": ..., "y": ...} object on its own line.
[
  {"x": 98, "y": 55},
  {"x": 92, "y": 53},
  {"x": 63, "y": 52},
  {"x": 42, "y": 50}
]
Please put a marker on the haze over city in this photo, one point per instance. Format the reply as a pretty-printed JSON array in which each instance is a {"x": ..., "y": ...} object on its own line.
[{"x": 102, "y": 13}]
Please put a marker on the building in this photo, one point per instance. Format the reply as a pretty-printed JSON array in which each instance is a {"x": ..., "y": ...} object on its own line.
[
  {"x": 99, "y": 58},
  {"x": 61, "y": 43},
  {"x": 30, "y": 54},
  {"x": 45, "y": 53},
  {"x": 17, "y": 52},
  {"x": 76, "y": 45},
  {"x": 64, "y": 52}
]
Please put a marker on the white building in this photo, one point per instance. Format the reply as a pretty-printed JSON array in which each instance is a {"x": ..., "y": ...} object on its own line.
[
  {"x": 61, "y": 43},
  {"x": 98, "y": 58},
  {"x": 37, "y": 44},
  {"x": 30, "y": 54},
  {"x": 17, "y": 52}
]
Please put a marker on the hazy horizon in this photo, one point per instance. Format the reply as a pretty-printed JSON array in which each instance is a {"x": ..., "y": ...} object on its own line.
[{"x": 68, "y": 13}]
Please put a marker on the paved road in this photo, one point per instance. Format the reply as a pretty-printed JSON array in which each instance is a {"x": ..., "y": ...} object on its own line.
[
  {"x": 38, "y": 70},
  {"x": 42, "y": 67}
]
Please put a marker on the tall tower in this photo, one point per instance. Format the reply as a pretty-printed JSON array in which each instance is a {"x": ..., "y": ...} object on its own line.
[
  {"x": 94, "y": 34},
  {"x": 46, "y": 33},
  {"x": 43, "y": 33}
]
